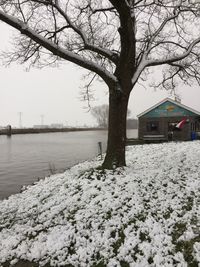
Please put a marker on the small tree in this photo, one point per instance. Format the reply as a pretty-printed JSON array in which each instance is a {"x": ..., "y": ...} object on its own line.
[{"x": 119, "y": 41}]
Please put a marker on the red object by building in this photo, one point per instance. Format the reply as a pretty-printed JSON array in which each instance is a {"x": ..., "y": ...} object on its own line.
[{"x": 181, "y": 124}]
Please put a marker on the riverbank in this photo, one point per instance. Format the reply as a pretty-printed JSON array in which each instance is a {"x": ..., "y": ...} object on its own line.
[
  {"x": 145, "y": 214},
  {"x": 47, "y": 130}
]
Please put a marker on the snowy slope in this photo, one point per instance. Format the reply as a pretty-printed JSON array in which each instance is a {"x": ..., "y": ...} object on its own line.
[{"x": 146, "y": 214}]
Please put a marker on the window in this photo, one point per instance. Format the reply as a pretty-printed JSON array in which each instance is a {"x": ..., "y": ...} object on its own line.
[{"x": 152, "y": 126}]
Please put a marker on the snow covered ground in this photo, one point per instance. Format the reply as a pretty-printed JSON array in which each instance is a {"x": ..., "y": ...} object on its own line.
[{"x": 146, "y": 214}]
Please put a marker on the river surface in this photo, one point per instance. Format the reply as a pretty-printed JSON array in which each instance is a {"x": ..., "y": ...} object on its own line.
[{"x": 26, "y": 158}]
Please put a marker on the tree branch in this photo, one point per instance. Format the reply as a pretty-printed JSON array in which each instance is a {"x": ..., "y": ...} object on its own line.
[
  {"x": 112, "y": 56},
  {"x": 110, "y": 9},
  {"x": 156, "y": 33},
  {"x": 175, "y": 58},
  {"x": 56, "y": 50},
  {"x": 88, "y": 46}
]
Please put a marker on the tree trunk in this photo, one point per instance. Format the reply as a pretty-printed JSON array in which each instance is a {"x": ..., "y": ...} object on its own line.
[{"x": 115, "y": 154}]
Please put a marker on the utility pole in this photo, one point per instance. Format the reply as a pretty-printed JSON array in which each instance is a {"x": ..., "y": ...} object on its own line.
[{"x": 20, "y": 119}]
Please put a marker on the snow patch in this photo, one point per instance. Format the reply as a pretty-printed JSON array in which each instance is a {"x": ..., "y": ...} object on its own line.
[{"x": 145, "y": 214}]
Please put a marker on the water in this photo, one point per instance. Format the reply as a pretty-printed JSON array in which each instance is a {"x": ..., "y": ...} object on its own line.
[{"x": 26, "y": 158}]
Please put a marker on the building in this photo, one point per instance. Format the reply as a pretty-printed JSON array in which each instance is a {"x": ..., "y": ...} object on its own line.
[
  {"x": 40, "y": 126},
  {"x": 169, "y": 120},
  {"x": 57, "y": 125}
]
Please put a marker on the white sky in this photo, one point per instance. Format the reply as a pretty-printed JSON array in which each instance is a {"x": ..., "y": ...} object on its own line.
[{"x": 55, "y": 93}]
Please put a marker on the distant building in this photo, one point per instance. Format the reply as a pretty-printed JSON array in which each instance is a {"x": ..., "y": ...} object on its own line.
[
  {"x": 57, "y": 125},
  {"x": 40, "y": 126},
  {"x": 169, "y": 120}
]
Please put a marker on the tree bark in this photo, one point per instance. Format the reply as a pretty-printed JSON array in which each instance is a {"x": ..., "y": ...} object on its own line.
[{"x": 118, "y": 105}]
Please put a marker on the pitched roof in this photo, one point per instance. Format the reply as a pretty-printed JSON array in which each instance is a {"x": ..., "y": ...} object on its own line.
[{"x": 172, "y": 101}]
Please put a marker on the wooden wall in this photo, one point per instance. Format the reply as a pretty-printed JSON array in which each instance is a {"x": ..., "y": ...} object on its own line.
[{"x": 183, "y": 135}]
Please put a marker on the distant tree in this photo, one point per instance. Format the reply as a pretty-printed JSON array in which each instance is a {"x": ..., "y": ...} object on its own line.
[
  {"x": 101, "y": 114},
  {"x": 119, "y": 41},
  {"x": 132, "y": 124}
]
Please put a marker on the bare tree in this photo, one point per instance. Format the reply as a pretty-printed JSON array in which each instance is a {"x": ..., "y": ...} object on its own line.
[
  {"x": 119, "y": 41},
  {"x": 100, "y": 113}
]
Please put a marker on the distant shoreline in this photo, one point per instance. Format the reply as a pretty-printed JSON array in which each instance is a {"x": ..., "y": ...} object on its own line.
[{"x": 47, "y": 130}]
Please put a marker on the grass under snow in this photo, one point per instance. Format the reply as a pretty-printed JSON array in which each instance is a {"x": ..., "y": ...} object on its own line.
[{"x": 146, "y": 214}]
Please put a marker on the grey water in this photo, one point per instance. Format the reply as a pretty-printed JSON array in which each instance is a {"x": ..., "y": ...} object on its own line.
[{"x": 26, "y": 158}]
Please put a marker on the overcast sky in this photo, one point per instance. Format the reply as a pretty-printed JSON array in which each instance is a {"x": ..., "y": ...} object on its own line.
[{"x": 55, "y": 94}]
